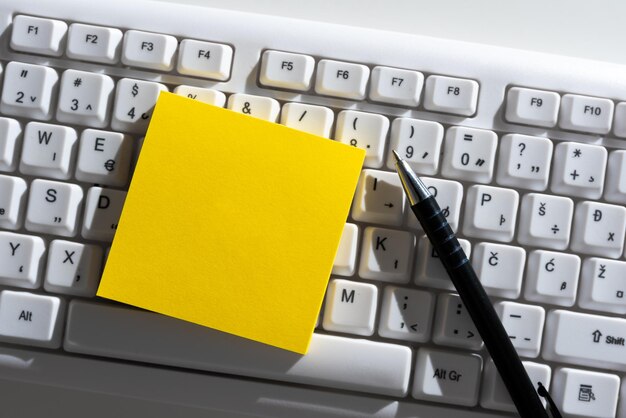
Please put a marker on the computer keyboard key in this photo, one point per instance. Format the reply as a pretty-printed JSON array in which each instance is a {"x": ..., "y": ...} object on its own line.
[
  {"x": 406, "y": 314},
  {"x": 449, "y": 195},
  {"x": 341, "y": 79},
  {"x": 619, "y": 122},
  {"x": 552, "y": 277},
  {"x": 585, "y": 394},
  {"x": 210, "y": 96},
  {"x": 532, "y": 107},
  {"x": 587, "y": 114},
  {"x": 603, "y": 285},
  {"x": 490, "y": 213},
  {"x": 94, "y": 43},
  {"x": 73, "y": 268},
  {"x": 84, "y": 98},
  {"x": 615, "y": 187},
  {"x": 12, "y": 197},
  {"x": 149, "y": 50},
  {"x": 524, "y": 161},
  {"x": 37, "y": 35},
  {"x": 367, "y": 131},
  {"x": 10, "y": 141},
  {"x": 451, "y": 95},
  {"x": 453, "y": 325},
  {"x": 286, "y": 70},
  {"x": 386, "y": 255},
  {"x": 442, "y": 376},
  {"x": 21, "y": 259},
  {"x": 469, "y": 154},
  {"x": 524, "y": 325},
  {"x": 317, "y": 120},
  {"x": 48, "y": 150},
  {"x": 31, "y": 319},
  {"x": 418, "y": 142},
  {"x": 104, "y": 157},
  {"x": 257, "y": 106},
  {"x": 545, "y": 221},
  {"x": 429, "y": 271},
  {"x": 350, "y": 307},
  {"x": 396, "y": 86},
  {"x": 204, "y": 59},
  {"x": 345, "y": 259},
  {"x": 379, "y": 198},
  {"x": 599, "y": 229},
  {"x": 103, "y": 208},
  {"x": 500, "y": 268},
  {"x": 28, "y": 90},
  {"x": 53, "y": 207},
  {"x": 578, "y": 169},
  {"x": 134, "y": 102}
]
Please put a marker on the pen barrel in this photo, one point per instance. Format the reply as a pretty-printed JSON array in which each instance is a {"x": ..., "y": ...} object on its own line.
[{"x": 480, "y": 309}]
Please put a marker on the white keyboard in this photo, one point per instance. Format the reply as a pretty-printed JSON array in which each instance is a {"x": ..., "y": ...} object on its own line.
[{"x": 526, "y": 154}]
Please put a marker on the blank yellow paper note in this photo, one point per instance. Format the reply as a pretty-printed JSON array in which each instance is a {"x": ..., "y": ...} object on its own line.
[{"x": 232, "y": 222}]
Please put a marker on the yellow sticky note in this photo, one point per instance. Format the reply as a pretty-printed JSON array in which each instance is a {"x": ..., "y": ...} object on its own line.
[{"x": 232, "y": 222}]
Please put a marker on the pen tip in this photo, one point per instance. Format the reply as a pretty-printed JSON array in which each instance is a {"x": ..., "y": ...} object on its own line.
[{"x": 395, "y": 154}]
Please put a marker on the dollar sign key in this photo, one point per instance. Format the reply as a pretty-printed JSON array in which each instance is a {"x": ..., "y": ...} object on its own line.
[{"x": 135, "y": 90}]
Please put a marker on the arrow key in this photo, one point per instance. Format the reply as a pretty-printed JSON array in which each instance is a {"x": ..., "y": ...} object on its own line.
[
  {"x": 379, "y": 198},
  {"x": 406, "y": 314}
]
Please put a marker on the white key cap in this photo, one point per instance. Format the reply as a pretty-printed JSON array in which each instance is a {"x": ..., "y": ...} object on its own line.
[
  {"x": 545, "y": 221},
  {"x": 451, "y": 95},
  {"x": 619, "y": 124},
  {"x": 341, "y": 79},
  {"x": 599, "y": 229},
  {"x": 134, "y": 101},
  {"x": 578, "y": 169},
  {"x": 103, "y": 208},
  {"x": 428, "y": 268},
  {"x": 73, "y": 268},
  {"x": 406, "y": 314},
  {"x": 441, "y": 376},
  {"x": 257, "y": 106},
  {"x": 104, "y": 157},
  {"x": 53, "y": 207},
  {"x": 418, "y": 142},
  {"x": 149, "y": 50},
  {"x": 524, "y": 325},
  {"x": 94, "y": 43},
  {"x": 32, "y": 319},
  {"x": 379, "y": 198},
  {"x": 10, "y": 133},
  {"x": 386, "y": 255},
  {"x": 210, "y": 96},
  {"x": 500, "y": 268},
  {"x": 350, "y": 307},
  {"x": 490, "y": 213},
  {"x": 494, "y": 394},
  {"x": 20, "y": 260},
  {"x": 48, "y": 150},
  {"x": 366, "y": 131},
  {"x": 316, "y": 120},
  {"x": 449, "y": 195},
  {"x": 532, "y": 107},
  {"x": 12, "y": 196},
  {"x": 204, "y": 59},
  {"x": 287, "y": 71},
  {"x": 396, "y": 86},
  {"x": 603, "y": 285},
  {"x": 585, "y": 394},
  {"x": 524, "y": 161},
  {"x": 615, "y": 188},
  {"x": 28, "y": 90},
  {"x": 345, "y": 259},
  {"x": 552, "y": 277},
  {"x": 453, "y": 325},
  {"x": 587, "y": 340},
  {"x": 84, "y": 98},
  {"x": 469, "y": 154},
  {"x": 587, "y": 114},
  {"x": 380, "y": 368},
  {"x": 40, "y": 36}
]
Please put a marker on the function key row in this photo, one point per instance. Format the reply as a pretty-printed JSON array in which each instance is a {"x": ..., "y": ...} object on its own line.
[{"x": 108, "y": 45}]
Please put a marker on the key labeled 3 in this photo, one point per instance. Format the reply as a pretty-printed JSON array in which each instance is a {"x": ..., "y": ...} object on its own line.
[{"x": 84, "y": 98}]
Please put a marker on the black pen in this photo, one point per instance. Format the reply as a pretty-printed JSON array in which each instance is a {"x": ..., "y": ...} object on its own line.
[{"x": 479, "y": 307}]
